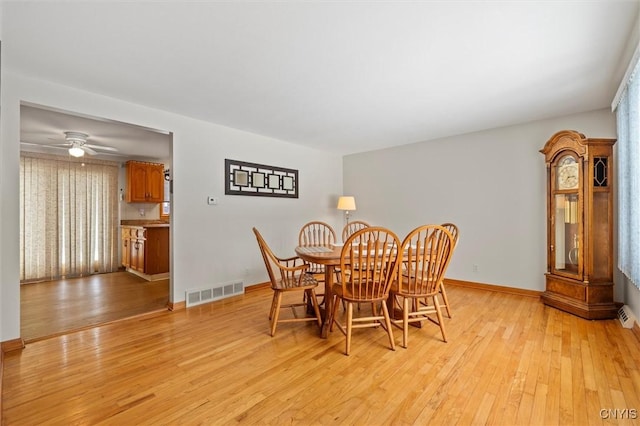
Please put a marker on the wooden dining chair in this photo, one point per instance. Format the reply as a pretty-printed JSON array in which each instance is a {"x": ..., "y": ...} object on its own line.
[
  {"x": 316, "y": 233},
  {"x": 288, "y": 275},
  {"x": 352, "y": 227},
  {"x": 453, "y": 229},
  {"x": 368, "y": 264},
  {"x": 426, "y": 251}
]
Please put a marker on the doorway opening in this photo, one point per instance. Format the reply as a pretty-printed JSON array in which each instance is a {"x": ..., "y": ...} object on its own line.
[{"x": 89, "y": 282}]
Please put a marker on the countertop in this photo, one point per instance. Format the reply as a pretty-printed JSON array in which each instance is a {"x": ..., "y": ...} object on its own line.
[{"x": 145, "y": 223}]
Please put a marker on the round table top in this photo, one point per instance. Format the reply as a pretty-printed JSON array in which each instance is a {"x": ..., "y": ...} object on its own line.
[{"x": 324, "y": 255}]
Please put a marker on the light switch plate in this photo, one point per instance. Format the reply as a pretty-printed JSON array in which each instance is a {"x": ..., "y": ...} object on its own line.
[{"x": 212, "y": 201}]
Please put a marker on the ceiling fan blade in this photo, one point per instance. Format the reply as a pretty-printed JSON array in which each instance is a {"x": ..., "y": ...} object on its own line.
[
  {"x": 43, "y": 145},
  {"x": 32, "y": 144},
  {"x": 88, "y": 150},
  {"x": 100, "y": 147}
]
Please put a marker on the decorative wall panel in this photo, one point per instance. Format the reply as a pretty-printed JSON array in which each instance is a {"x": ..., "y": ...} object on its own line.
[{"x": 242, "y": 178}]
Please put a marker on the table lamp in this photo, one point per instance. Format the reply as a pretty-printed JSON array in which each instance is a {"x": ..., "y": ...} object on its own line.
[{"x": 347, "y": 203}]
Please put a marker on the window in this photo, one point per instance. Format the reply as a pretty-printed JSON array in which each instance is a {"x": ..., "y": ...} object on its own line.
[
  {"x": 628, "y": 158},
  {"x": 68, "y": 217}
]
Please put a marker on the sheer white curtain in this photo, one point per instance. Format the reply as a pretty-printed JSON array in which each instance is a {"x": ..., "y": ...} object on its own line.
[
  {"x": 68, "y": 217},
  {"x": 628, "y": 119}
]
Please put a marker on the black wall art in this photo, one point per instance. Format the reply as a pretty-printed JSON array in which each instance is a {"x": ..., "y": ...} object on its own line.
[{"x": 242, "y": 178}]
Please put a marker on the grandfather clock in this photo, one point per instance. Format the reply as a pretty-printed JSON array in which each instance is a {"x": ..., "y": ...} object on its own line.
[{"x": 579, "y": 276}]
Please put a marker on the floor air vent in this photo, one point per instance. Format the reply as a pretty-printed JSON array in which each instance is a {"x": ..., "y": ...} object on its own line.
[
  {"x": 220, "y": 291},
  {"x": 626, "y": 317}
]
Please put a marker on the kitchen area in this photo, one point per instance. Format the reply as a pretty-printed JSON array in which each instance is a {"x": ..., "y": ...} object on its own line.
[
  {"x": 133, "y": 239},
  {"x": 144, "y": 219}
]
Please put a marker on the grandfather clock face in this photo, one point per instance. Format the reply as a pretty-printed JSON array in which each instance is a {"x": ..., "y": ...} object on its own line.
[{"x": 568, "y": 173}]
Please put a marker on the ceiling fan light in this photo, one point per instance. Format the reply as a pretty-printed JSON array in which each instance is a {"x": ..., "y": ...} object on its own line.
[{"x": 76, "y": 151}]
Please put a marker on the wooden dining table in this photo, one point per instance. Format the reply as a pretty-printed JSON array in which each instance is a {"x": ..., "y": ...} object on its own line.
[{"x": 329, "y": 256}]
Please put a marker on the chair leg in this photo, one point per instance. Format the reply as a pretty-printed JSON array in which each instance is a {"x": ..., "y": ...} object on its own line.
[
  {"x": 387, "y": 321},
  {"x": 405, "y": 321},
  {"x": 276, "y": 313},
  {"x": 439, "y": 315},
  {"x": 273, "y": 304},
  {"x": 320, "y": 279},
  {"x": 314, "y": 300},
  {"x": 445, "y": 299},
  {"x": 335, "y": 312},
  {"x": 349, "y": 326}
]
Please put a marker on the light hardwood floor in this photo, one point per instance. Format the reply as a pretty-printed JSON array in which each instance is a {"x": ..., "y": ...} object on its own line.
[
  {"x": 57, "y": 307},
  {"x": 509, "y": 360}
]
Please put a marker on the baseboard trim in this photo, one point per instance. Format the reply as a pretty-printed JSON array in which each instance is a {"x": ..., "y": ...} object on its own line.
[
  {"x": 492, "y": 287},
  {"x": 256, "y": 287},
  {"x": 448, "y": 281},
  {"x": 177, "y": 306},
  {"x": 154, "y": 277},
  {"x": 12, "y": 345}
]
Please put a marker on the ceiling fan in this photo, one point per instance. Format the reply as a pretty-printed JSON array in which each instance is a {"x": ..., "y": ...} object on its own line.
[
  {"x": 77, "y": 143},
  {"x": 77, "y": 146}
]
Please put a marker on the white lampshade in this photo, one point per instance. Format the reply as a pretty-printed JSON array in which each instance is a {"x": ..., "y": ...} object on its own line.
[
  {"x": 347, "y": 203},
  {"x": 76, "y": 151}
]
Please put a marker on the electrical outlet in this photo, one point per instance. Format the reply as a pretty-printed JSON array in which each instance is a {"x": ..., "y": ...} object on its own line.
[{"x": 475, "y": 268}]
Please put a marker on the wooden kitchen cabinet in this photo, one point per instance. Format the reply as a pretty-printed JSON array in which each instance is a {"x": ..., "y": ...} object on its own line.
[
  {"x": 125, "y": 242},
  {"x": 145, "y": 251},
  {"x": 145, "y": 182},
  {"x": 156, "y": 250},
  {"x": 137, "y": 254}
]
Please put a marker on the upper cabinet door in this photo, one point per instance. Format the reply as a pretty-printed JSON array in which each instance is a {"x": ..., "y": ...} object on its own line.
[
  {"x": 136, "y": 182},
  {"x": 145, "y": 182},
  {"x": 155, "y": 183}
]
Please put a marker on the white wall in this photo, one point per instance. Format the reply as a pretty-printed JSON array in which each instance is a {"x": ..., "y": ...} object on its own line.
[
  {"x": 490, "y": 183},
  {"x": 211, "y": 244},
  {"x": 1, "y": 180}
]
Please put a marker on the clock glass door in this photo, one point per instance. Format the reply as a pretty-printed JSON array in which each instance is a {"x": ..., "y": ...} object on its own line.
[{"x": 566, "y": 234}]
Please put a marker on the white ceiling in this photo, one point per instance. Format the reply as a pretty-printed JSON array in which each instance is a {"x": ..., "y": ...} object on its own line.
[
  {"x": 342, "y": 76},
  {"x": 42, "y": 130}
]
